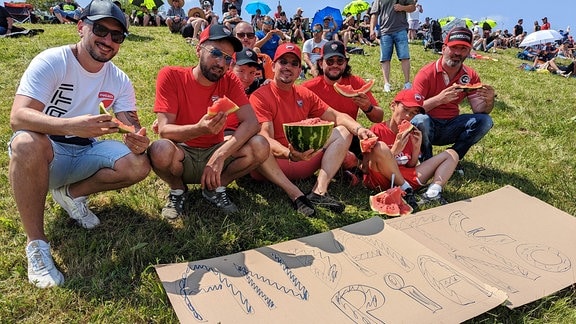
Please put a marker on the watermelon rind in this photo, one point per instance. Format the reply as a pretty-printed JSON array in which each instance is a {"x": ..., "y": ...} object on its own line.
[
  {"x": 306, "y": 137},
  {"x": 350, "y": 93}
]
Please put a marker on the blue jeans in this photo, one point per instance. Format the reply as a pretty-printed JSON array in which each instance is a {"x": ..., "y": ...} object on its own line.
[
  {"x": 399, "y": 40},
  {"x": 462, "y": 131}
]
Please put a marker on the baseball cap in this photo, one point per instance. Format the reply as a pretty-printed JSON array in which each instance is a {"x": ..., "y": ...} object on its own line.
[
  {"x": 286, "y": 48},
  {"x": 100, "y": 9},
  {"x": 410, "y": 98},
  {"x": 246, "y": 56},
  {"x": 333, "y": 48},
  {"x": 217, "y": 32},
  {"x": 459, "y": 36},
  {"x": 545, "y": 18}
]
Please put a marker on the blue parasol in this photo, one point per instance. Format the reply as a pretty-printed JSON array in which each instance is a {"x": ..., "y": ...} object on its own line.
[
  {"x": 253, "y": 6},
  {"x": 328, "y": 12}
]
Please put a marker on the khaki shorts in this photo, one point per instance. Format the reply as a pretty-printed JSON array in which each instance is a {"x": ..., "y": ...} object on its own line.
[{"x": 195, "y": 160}]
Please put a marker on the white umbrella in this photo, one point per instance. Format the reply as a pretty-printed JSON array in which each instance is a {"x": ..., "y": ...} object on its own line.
[{"x": 541, "y": 37}]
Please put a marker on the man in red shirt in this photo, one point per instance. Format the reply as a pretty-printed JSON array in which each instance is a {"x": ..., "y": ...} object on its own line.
[
  {"x": 192, "y": 148},
  {"x": 440, "y": 83},
  {"x": 545, "y": 24},
  {"x": 333, "y": 68},
  {"x": 281, "y": 101}
]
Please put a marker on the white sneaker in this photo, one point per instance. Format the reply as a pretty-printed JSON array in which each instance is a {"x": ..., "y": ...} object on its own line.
[
  {"x": 387, "y": 87},
  {"x": 76, "y": 208},
  {"x": 41, "y": 270},
  {"x": 407, "y": 85}
]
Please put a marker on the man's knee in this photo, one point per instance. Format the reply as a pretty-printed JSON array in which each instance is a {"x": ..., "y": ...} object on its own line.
[
  {"x": 260, "y": 148},
  {"x": 161, "y": 152},
  {"x": 134, "y": 167},
  {"x": 28, "y": 144}
]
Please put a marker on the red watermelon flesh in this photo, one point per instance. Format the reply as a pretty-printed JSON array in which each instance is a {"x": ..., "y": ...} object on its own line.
[
  {"x": 469, "y": 87},
  {"x": 367, "y": 144},
  {"x": 122, "y": 128},
  {"x": 390, "y": 202},
  {"x": 347, "y": 90},
  {"x": 405, "y": 126},
  {"x": 224, "y": 105}
]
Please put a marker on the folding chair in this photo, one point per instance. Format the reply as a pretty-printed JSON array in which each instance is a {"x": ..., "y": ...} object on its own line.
[{"x": 20, "y": 12}]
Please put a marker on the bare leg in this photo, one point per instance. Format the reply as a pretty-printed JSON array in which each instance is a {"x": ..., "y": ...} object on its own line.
[
  {"x": 386, "y": 71},
  {"x": 440, "y": 166},
  {"x": 405, "y": 70},
  {"x": 334, "y": 154},
  {"x": 381, "y": 160}
]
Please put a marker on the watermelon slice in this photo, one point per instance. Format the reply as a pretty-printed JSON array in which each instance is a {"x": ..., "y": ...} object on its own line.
[
  {"x": 222, "y": 104},
  {"x": 367, "y": 144},
  {"x": 405, "y": 126},
  {"x": 307, "y": 134},
  {"x": 469, "y": 87},
  {"x": 347, "y": 90},
  {"x": 122, "y": 128},
  {"x": 390, "y": 202}
]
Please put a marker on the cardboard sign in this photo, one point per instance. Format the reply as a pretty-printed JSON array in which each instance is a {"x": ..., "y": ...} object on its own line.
[{"x": 446, "y": 264}]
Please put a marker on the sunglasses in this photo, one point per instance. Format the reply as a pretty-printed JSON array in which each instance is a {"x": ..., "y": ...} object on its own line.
[
  {"x": 331, "y": 61},
  {"x": 242, "y": 35},
  {"x": 317, "y": 30},
  {"x": 294, "y": 63},
  {"x": 101, "y": 31},
  {"x": 218, "y": 54}
]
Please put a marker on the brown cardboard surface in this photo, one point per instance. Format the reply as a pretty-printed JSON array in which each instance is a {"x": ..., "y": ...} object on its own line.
[
  {"x": 506, "y": 238},
  {"x": 443, "y": 265}
]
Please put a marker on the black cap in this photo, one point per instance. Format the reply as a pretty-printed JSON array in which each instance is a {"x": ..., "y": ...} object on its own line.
[
  {"x": 246, "y": 56},
  {"x": 333, "y": 48},
  {"x": 216, "y": 32},
  {"x": 100, "y": 9}
]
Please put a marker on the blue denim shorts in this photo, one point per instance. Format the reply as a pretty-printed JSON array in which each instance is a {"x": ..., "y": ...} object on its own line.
[
  {"x": 389, "y": 41},
  {"x": 73, "y": 163}
]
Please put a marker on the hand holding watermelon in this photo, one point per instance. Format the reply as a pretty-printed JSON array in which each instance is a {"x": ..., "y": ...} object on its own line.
[{"x": 122, "y": 128}]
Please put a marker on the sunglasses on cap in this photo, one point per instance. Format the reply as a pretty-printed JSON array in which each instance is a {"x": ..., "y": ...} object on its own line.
[
  {"x": 218, "y": 54},
  {"x": 284, "y": 61},
  {"x": 242, "y": 35},
  {"x": 101, "y": 31},
  {"x": 331, "y": 61}
]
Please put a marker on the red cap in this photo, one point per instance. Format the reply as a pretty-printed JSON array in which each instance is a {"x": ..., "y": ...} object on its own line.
[
  {"x": 410, "y": 98},
  {"x": 285, "y": 48},
  {"x": 459, "y": 36}
]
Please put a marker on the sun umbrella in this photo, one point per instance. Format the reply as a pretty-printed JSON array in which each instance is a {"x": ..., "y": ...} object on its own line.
[
  {"x": 469, "y": 22},
  {"x": 355, "y": 7},
  {"x": 148, "y": 3},
  {"x": 253, "y": 6},
  {"x": 490, "y": 22},
  {"x": 540, "y": 37},
  {"x": 445, "y": 20},
  {"x": 327, "y": 12}
]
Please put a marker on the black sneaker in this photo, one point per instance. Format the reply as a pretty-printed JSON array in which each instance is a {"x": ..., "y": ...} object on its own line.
[
  {"x": 438, "y": 199},
  {"x": 220, "y": 199},
  {"x": 326, "y": 201},
  {"x": 304, "y": 206},
  {"x": 410, "y": 199},
  {"x": 174, "y": 207}
]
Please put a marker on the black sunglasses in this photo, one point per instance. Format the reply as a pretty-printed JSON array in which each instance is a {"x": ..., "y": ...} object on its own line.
[
  {"x": 294, "y": 63},
  {"x": 117, "y": 37},
  {"x": 218, "y": 54},
  {"x": 331, "y": 61},
  {"x": 242, "y": 35}
]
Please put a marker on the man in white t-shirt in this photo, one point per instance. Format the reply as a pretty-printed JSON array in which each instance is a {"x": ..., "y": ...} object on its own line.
[
  {"x": 414, "y": 21},
  {"x": 312, "y": 49},
  {"x": 56, "y": 121}
]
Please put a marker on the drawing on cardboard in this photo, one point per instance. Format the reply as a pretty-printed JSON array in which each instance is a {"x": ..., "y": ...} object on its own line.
[
  {"x": 544, "y": 257},
  {"x": 396, "y": 282},
  {"x": 456, "y": 221},
  {"x": 448, "y": 281},
  {"x": 357, "y": 301}
]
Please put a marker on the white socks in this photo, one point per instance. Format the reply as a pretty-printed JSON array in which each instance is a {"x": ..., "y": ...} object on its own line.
[{"x": 433, "y": 190}]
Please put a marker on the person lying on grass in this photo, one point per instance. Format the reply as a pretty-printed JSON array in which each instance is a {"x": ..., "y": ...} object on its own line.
[{"x": 395, "y": 156}]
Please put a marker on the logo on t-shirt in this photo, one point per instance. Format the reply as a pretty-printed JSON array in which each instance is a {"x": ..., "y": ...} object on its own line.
[
  {"x": 300, "y": 103},
  {"x": 465, "y": 79},
  {"x": 107, "y": 98}
]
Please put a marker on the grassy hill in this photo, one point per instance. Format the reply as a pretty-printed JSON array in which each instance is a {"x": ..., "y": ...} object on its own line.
[{"x": 109, "y": 270}]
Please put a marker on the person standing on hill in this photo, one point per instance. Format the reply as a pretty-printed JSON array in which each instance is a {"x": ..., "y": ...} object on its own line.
[
  {"x": 56, "y": 122},
  {"x": 440, "y": 83},
  {"x": 545, "y": 24},
  {"x": 414, "y": 21},
  {"x": 391, "y": 17}
]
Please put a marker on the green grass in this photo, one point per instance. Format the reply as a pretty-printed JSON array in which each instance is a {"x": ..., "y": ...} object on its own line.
[{"x": 109, "y": 270}]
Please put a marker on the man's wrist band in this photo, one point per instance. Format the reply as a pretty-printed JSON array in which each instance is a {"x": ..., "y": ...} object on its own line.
[{"x": 370, "y": 108}]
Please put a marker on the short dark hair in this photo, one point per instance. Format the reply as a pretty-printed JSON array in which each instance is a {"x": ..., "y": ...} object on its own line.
[{"x": 230, "y": 7}]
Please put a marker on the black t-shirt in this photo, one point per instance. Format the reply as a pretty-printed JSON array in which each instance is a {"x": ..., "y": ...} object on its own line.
[
  {"x": 3, "y": 15},
  {"x": 518, "y": 30}
]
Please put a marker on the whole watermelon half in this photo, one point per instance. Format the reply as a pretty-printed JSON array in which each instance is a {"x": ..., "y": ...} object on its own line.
[{"x": 308, "y": 134}]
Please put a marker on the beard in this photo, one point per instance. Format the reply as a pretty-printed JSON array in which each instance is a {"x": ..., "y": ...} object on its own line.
[
  {"x": 334, "y": 77},
  {"x": 454, "y": 61},
  {"x": 93, "y": 51},
  {"x": 208, "y": 73}
]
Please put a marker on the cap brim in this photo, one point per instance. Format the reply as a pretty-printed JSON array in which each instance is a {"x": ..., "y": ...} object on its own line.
[
  {"x": 329, "y": 55},
  {"x": 98, "y": 17},
  {"x": 236, "y": 43},
  {"x": 456, "y": 43},
  {"x": 246, "y": 61}
]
